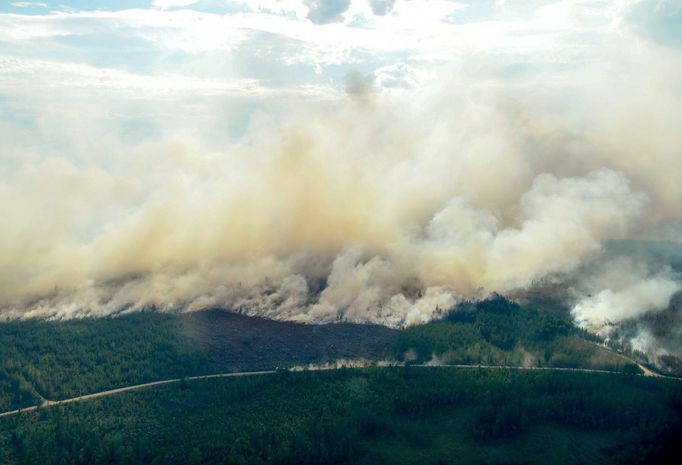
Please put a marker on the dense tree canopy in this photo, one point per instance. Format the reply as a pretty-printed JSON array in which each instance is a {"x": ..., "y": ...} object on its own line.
[{"x": 380, "y": 415}]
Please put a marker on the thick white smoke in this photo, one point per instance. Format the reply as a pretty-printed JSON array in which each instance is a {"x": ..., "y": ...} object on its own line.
[
  {"x": 338, "y": 219},
  {"x": 626, "y": 299},
  {"x": 385, "y": 208}
]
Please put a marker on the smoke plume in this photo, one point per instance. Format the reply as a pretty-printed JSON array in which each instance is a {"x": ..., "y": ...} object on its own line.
[
  {"x": 389, "y": 208},
  {"x": 626, "y": 297},
  {"x": 359, "y": 214}
]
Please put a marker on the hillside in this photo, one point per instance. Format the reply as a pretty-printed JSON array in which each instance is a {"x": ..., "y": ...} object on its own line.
[
  {"x": 59, "y": 359},
  {"x": 56, "y": 360},
  {"x": 407, "y": 414}
]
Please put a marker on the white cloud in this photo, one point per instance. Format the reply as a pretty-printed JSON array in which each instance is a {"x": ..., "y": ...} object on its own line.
[
  {"x": 397, "y": 77},
  {"x": 381, "y": 7},
  {"x": 26, "y": 75},
  {"x": 326, "y": 11},
  {"x": 29, "y": 4},
  {"x": 164, "y": 4}
]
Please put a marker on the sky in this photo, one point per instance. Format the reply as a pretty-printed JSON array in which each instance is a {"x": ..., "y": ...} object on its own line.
[
  {"x": 240, "y": 54},
  {"x": 368, "y": 160}
]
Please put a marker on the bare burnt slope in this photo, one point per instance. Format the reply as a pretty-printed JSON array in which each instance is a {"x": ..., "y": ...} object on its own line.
[{"x": 238, "y": 342}]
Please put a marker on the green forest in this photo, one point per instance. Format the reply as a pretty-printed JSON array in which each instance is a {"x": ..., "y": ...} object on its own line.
[
  {"x": 498, "y": 331},
  {"x": 410, "y": 414},
  {"x": 363, "y": 416},
  {"x": 61, "y": 359}
]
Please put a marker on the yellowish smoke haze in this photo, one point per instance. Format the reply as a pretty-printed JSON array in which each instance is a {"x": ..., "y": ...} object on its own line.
[{"x": 374, "y": 208}]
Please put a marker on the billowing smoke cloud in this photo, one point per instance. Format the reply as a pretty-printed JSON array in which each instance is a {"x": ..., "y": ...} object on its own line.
[
  {"x": 335, "y": 215},
  {"x": 379, "y": 206},
  {"x": 629, "y": 294},
  {"x": 634, "y": 299}
]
